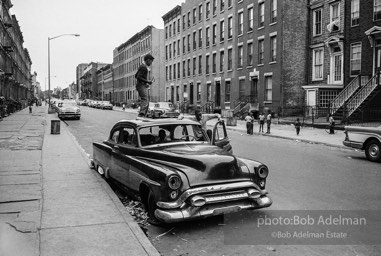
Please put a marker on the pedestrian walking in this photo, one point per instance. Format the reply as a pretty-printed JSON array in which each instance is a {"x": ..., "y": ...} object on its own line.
[
  {"x": 124, "y": 107},
  {"x": 331, "y": 124},
  {"x": 30, "y": 107},
  {"x": 297, "y": 126},
  {"x": 261, "y": 121},
  {"x": 142, "y": 83},
  {"x": 268, "y": 122},
  {"x": 249, "y": 124}
]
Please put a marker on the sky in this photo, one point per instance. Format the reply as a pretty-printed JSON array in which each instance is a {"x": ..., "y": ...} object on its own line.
[{"x": 103, "y": 25}]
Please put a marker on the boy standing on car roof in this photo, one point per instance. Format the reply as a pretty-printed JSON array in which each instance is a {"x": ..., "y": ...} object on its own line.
[{"x": 142, "y": 84}]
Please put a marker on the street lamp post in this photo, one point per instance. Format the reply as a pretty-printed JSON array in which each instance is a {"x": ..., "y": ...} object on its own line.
[{"x": 51, "y": 38}]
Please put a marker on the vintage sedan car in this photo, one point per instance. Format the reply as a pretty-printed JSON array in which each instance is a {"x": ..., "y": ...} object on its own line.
[
  {"x": 69, "y": 109},
  {"x": 178, "y": 172},
  {"x": 364, "y": 138},
  {"x": 105, "y": 105},
  {"x": 164, "y": 109}
]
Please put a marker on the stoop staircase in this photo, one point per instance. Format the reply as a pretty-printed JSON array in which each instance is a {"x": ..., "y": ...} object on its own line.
[{"x": 354, "y": 96}]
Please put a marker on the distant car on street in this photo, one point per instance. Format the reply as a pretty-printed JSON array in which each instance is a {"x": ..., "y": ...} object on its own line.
[
  {"x": 364, "y": 138},
  {"x": 178, "y": 171},
  {"x": 105, "y": 105},
  {"x": 69, "y": 109},
  {"x": 164, "y": 109}
]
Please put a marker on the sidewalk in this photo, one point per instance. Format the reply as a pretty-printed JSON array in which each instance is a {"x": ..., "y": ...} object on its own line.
[
  {"x": 307, "y": 134},
  {"x": 51, "y": 203}
]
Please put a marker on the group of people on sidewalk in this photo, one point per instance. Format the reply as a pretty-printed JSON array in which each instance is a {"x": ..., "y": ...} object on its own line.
[{"x": 261, "y": 121}]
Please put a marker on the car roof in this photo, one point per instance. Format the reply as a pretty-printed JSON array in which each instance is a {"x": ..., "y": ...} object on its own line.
[{"x": 152, "y": 122}]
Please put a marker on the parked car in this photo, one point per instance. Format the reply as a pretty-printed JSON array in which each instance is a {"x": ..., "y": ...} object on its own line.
[
  {"x": 69, "y": 109},
  {"x": 178, "y": 172},
  {"x": 165, "y": 109},
  {"x": 105, "y": 105},
  {"x": 364, "y": 138},
  {"x": 151, "y": 106}
]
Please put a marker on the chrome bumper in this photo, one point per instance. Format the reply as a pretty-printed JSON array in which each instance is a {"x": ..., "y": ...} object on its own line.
[{"x": 192, "y": 212}]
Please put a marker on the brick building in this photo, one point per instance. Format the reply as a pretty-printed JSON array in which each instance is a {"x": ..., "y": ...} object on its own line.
[
  {"x": 236, "y": 54},
  {"x": 127, "y": 58},
  {"x": 105, "y": 82},
  {"x": 79, "y": 72},
  {"x": 15, "y": 62},
  {"x": 89, "y": 81}
]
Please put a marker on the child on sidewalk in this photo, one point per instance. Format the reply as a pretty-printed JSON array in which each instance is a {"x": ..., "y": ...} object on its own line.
[{"x": 297, "y": 126}]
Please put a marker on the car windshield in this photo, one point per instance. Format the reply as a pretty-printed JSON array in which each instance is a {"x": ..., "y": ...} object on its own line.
[
  {"x": 69, "y": 104},
  {"x": 172, "y": 133}
]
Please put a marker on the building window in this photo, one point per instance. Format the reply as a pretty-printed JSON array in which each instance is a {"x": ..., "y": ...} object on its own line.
[
  {"x": 222, "y": 56},
  {"x": 184, "y": 22},
  {"x": 200, "y": 12},
  {"x": 227, "y": 91},
  {"x": 273, "y": 14},
  {"x": 194, "y": 15},
  {"x": 214, "y": 64},
  {"x": 184, "y": 68},
  {"x": 178, "y": 47},
  {"x": 334, "y": 25},
  {"x": 214, "y": 7},
  {"x": 170, "y": 51},
  {"x": 209, "y": 92},
  {"x": 240, "y": 23},
  {"x": 170, "y": 30},
  {"x": 222, "y": 5},
  {"x": 174, "y": 71},
  {"x": 230, "y": 2},
  {"x": 174, "y": 28},
  {"x": 230, "y": 59},
  {"x": 174, "y": 49},
  {"x": 250, "y": 54},
  {"x": 214, "y": 36},
  {"x": 355, "y": 61},
  {"x": 326, "y": 97},
  {"x": 194, "y": 41},
  {"x": 189, "y": 47},
  {"x": 269, "y": 88},
  {"x": 377, "y": 9},
  {"x": 207, "y": 10},
  {"x": 198, "y": 96},
  {"x": 261, "y": 15},
  {"x": 177, "y": 93},
  {"x": 317, "y": 60},
  {"x": 230, "y": 27},
  {"x": 166, "y": 32},
  {"x": 166, "y": 73},
  {"x": 273, "y": 49},
  {"x": 170, "y": 72},
  {"x": 200, "y": 38},
  {"x": 261, "y": 51},
  {"x": 194, "y": 66},
  {"x": 184, "y": 45},
  {"x": 337, "y": 65},
  {"x": 355, "y": 12},
  {"x": 200, "y": 64},
  {"x": 240, "y": 57},
  {"x": 207, "y": 64},
  {"x": 250, "y": 19},
  {"x": 178, "y": 25},
  {"x": 178, "y": 70},
  {"x": 222, "y": 30},
  {"x": 166, "y": 52},
  {"x": 189, "y": 73},
  {"x": 189, "y": 19},
  {"x": 317, "y": 22},
  {"x": 207, "y": 39}
]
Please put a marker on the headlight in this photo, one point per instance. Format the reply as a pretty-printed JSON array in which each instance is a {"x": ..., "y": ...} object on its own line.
[
  {"x": 263, "y": 171},
  {"x": 174, "y": 182}
]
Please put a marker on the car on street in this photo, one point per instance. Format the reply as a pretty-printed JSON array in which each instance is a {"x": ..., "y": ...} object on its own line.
[
  {"x": 105, "y": 105},
  {"x": 69, "y": 109},
  {"x": 178, "y": 172},
  {"x": 364, "y": 138},
  {"x": 164, "y": 109}
]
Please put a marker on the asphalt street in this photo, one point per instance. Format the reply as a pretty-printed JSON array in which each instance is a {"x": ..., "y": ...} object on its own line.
[{"x": 303, "y": 176}]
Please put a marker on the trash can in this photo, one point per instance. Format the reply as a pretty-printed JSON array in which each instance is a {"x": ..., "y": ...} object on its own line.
[{"x": 55, "y": 126}]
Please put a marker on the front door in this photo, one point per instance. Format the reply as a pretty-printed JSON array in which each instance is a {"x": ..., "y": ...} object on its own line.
[
  {"x": 218, "y": 94},
  {"x": 220, "y": 137}
]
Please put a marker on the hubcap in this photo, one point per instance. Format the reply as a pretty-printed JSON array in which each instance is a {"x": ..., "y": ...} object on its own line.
[
  {"x": 374, "y": 150},
  {"x": 100, "y": 170}
]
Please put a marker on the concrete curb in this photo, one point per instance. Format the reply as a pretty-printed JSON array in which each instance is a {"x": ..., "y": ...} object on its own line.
[{"x": 135, "y": 228}]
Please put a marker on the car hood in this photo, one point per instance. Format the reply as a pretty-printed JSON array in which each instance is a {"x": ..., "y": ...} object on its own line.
[{"x": 202, "y": 164}]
